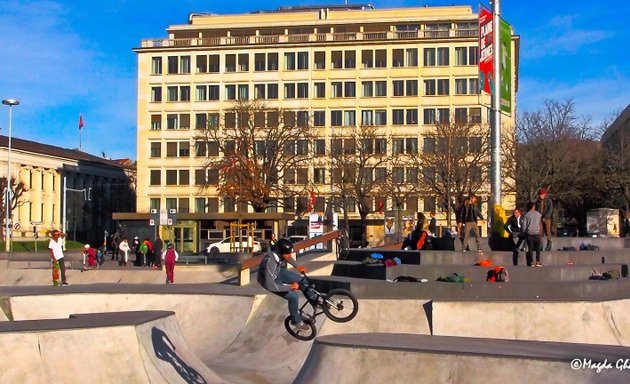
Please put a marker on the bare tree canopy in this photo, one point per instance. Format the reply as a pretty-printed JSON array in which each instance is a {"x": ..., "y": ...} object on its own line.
[
  {"x": 17, "y": 189},
  {"x": 255, "y": 153}
]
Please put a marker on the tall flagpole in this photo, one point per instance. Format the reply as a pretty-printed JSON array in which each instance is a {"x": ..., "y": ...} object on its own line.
[{"x": 80, "y": 129}]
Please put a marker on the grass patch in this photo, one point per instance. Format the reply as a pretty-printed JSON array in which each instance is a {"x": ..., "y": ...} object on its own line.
[{"x": 42, "y": 245}]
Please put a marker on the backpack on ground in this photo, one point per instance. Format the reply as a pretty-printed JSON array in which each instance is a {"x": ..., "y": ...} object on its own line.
[{"x": 498, "y": 274}]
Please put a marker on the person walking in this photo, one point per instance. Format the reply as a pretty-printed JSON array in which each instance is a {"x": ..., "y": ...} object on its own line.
[
  {"x": 544, "y": 205},
  {"x": 514, "y": 227},
  {"x": 169, "y": 257},
  {"x": 531, "y": 228},
  {"x": 433, "y": 224},
  {"x": 469, "y": 216},
  {"x": 55, "y": 246},
  {"x": 157, "y": 247}
]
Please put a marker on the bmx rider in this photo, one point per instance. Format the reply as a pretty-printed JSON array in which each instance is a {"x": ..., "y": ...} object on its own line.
[{"x": 274, "y": 276}]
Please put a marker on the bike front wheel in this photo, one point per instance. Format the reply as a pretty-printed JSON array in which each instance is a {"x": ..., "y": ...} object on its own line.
[
  {"x": 340, "y": 305},
  {"x": 304, "y": 335}
]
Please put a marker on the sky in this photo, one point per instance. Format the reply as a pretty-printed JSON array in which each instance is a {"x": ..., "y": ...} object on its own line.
[{"x": 65, "y": 58}]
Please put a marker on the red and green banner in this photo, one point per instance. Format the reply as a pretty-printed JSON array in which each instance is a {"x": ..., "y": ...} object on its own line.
[
  {"x": 505, "y": 39},
  {"x": 486, "y": 54}
]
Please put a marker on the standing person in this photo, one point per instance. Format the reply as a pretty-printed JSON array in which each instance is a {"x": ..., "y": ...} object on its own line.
[
  {"x": 531, "y": 228},
  {"x": 514, "y": 227},
  {"x": 135, "y": 248},
  {"x": 149, "y": 256},
  {"x": 432, "y": 224},
  {"x": 157, "y": 248},
  {"x": 459, "y": 209},
  {"x": 124, "y": 249},
  {"x": 55, "y": 245},
  {"x": 273, "y": 242},
  {"x": 469, "y": 216},
  {"x": 544, "y": 205},
  {"x": 169, "y": 257}
]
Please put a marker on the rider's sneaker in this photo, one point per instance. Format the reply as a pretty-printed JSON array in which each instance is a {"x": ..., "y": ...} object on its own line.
[{"x": 302, "y": 326}]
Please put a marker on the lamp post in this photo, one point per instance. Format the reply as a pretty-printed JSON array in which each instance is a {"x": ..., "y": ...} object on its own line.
[{"x": 7, "y": 207}]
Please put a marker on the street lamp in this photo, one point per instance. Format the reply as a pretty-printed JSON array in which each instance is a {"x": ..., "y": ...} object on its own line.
[{"x": 7, "y": 207}]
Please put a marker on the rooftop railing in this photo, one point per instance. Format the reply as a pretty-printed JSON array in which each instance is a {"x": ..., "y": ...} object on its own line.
[{"x": 304, "y": 38}]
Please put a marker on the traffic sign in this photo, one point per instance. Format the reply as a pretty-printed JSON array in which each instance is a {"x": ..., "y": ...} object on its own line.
[{"x": 16, "y": 226}]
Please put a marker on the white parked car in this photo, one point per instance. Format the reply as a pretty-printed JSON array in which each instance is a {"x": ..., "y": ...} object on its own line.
[{"x": 224, "y": 246}]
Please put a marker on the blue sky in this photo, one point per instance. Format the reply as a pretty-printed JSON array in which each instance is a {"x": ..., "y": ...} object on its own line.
[{"x": 61, "y": 58}]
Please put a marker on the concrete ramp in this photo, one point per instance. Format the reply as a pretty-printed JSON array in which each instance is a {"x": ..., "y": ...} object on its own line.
[
  {"x": 587, "y": 322},
  {"x": 407, "y": 358},
  {"x": 129, "y": 347}
]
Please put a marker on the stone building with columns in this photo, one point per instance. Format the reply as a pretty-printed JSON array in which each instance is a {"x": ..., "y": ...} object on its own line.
[{"x": 91, "y": 187}]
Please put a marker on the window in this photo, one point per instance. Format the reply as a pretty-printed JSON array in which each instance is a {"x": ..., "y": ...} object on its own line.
[
  {"x": 172, "y": 65},
  {"x": 184, "y": 149},
  {"x": 243, "y": 92},
  {"x": 320, "y": 90},
  {"x": 156, "y": 122},
  {"x": 429, "y": 145},
  {"x": 213, "y": 92},
  {"x": 336, "y": 59},
  {"x": 259, "y": 91},
  {"x": 461, "y": 115},
  {"x": 184, "y": 177},
  {"x": 156, "y": 65},
  {"x": 230, "y": 120},
  {"x": 201, "y": 121},
  {"x": 350, "y": 89},
  {"x": 320, "y": 60},
  {"x": 259, "y": 62},
  {"x": 473, "y": 56},
  {"x": 367, "y": 89},
  {"x": 319, "y": 118},
  {"x": 230, "y": 92},
  {"x": 154, "y": 204},
  {"x": 213, "y": 120},
  {"x": 380, "y": 88},
  {"x": 475, "y": 144},
  {"x": 461, "y": 55},
  {"x": 349, "y": 146},
  {"x": 411, "y": 57},
  {"x": 336, "y": 118},
  {"x": 184, "y": 93},
  {"x": 429, "y": 57},
  {"x": 443, "y": 115},
  {"x": 289, "y": 91},
  {"x": 349, "y": 118},
  {"x": 475, "y": 115},
  {"x": 367, "y": 117},
  {"x": 461, "y": 86},
  {"x": 156, "y": 149},
  {"x": 319, "y": 176},
  {"x": 171, "y": 149},
  {"x": 398, "y": 146},
  {"x": 380, "y": 117},
  {"x": 443, "y": 87},
  {"x": 171, "y": 121},
  {"x": 302, "y": 176},
  {"x": 412, "y": 87},
  {"x": 184, "y": 64},
  {"x": 272, "y": 61},
  {"x": 172, "y": 93},
  {"x": 156, "y": 94},
  {"x": 302, "y": 119},
  {"x": 399, "y": 87},
  {"x": 301, "y": 147},
  {"x": 302, "y": 90},
  {"x": 398, "y": 59},
  {"x": 155, "y": 177},
  {"x": 320, "y": 147},
  {"x": 398, "y": 175},
  {"x": 243, "y": 62},
  {"x": 411, "y": 116},
  {"x": 201, "y": 149},
  {"x": 171, "y": 177},
  {"x": 336, "y": 89},
  {"x": 202, "y": 93},
  {"x": 272, "y": 91},
  {"x": 429, "y": 116},
  {"x": 411, "y": 146},
  {"x": 213, "y": 148},
  {"x": 398, "y": 116},
  {"x": 213, "y": 64},
  {"x": 473, "y": 86},
  {"x": 200, "y": 205},
  {"x": 412, "y": 177},
  {"x": 302, "y": 60},
  {"x": 442, "y": 56},
  {"x": 367, "y": 58},
  {"x": 350, "y": 59},
  {"x": 380, "y": 58},
  {"x": 230, "y": 63},
  {"x": 184, "y": 121},
  {"x": 289, "y": 61},
  {"x": 429, "y": 87}
]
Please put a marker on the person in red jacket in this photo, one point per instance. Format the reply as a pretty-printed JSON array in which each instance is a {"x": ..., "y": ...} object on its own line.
[{"x": 169, "y": 257}]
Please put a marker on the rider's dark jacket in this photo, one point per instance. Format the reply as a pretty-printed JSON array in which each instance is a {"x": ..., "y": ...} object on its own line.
[{"x": 268, "y": 271}]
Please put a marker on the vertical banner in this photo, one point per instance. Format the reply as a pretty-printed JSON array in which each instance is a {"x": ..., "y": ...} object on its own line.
[
  {"x": 505, "y": 38},
  {"x": 486, "y": 54}
]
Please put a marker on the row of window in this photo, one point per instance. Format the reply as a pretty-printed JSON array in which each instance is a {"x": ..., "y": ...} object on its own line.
[
  {"x": 301, "y": 90},
  {"x": 399, "y": 146},
  {"x": 301, "y": 60},
  {"x": 319, "y": 118}
]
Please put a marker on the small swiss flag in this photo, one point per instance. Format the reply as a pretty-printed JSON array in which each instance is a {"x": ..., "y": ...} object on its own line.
[{"x": 80, "y": 121}]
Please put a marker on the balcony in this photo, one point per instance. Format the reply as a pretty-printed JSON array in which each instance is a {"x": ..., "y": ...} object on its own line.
[{"x": 309, "y": 38}]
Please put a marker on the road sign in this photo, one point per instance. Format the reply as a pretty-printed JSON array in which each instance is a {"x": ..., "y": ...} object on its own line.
[
  {"x": 16, "y": 226},
  {"x": 36, "y": 223}
]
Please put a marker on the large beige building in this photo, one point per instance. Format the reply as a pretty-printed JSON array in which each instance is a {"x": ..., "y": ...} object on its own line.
[{"x": 399, "y": 69}]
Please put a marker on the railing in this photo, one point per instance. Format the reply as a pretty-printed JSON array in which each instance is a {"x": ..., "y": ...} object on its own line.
[{"x": 304, "y": 38}]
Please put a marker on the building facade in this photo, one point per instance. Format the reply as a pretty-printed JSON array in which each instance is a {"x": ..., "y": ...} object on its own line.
[
  {"x": 91, "y": 187},
  {"x": 401, "y": 70}
]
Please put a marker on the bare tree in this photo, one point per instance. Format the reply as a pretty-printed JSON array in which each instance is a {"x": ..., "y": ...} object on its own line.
[
  {"x": 454, "y": 161},
  {"x": 616, "y": 162},
  {"x": 17, "y": 189},
  {"x": 359, "y": 164},
  {"x": 254, "y": 151}
]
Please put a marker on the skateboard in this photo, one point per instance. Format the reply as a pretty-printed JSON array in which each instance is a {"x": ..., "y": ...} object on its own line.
[{"x": 56, "y": 273}]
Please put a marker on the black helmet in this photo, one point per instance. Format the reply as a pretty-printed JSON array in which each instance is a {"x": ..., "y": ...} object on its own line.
[{"x": 284, "y": 247}]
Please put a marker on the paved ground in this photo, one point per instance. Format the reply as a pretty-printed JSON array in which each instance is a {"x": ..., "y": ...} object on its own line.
[{"x": 237, "y": 333}]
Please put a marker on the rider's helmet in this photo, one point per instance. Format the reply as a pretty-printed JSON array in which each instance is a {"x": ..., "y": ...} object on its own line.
[{"x": 284, "y": 247}]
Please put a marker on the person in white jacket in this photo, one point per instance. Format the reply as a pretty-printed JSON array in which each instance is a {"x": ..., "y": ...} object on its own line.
[{"x": 124, "y": 248}]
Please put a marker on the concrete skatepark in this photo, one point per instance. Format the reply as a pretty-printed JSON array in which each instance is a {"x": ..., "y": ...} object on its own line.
[{"x": 548, "y": 324}]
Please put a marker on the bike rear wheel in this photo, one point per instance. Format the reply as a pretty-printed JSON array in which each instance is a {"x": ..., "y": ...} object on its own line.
[
  {"x": 340, "y": 305},
  {"x": 299, "y": 334}
]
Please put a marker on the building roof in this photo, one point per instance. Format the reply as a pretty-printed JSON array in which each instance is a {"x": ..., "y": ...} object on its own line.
[{"x": 51, "y": 150}]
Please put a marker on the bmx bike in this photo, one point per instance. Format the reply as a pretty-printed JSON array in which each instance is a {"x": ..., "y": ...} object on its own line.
[{"x": 339, "y": 305}]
